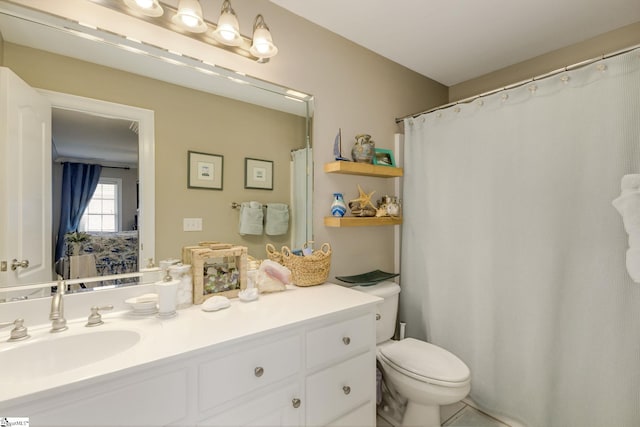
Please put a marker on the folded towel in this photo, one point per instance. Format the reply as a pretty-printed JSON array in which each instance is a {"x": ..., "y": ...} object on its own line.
[
  {"x": 628, "y": 205},
  {"x": 277, "y": 222},
  {"x": 630, "y": 182},
  {"x": 251, "y": 217}
]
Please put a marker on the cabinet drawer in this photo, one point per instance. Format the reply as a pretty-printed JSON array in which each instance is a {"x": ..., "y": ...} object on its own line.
[
  {"x": 280, "y": 407},
  {"x": 333, "y": 392},
  {"x": 226, "y": 378},
  {"x": 340, "y": 340}
]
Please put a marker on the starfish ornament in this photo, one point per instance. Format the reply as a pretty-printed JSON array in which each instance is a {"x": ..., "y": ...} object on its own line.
[{"x": 364, "y": 199}]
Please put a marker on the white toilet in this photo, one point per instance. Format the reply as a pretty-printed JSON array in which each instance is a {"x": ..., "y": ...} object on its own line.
[{"x": 427, "y": 375}]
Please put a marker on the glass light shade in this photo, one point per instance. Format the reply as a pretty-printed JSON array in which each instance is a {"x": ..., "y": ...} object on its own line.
[
  {"x": 189, "y": 16},
  {"x": 146, "y": 7},
  {"x": 262, "y": 46},
  {"x": 228, "y": 31}
]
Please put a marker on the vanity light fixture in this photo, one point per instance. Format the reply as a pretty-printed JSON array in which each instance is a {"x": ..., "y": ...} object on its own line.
[
  {"x": 189, "y": 16},
  {"x": 146, "y": 7},
  {"x": 262, "y": 45},
  {"x": 189, "y": 21},
  {"x": 228, "y": 30}
]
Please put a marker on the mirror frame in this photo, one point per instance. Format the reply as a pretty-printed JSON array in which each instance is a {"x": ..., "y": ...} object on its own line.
[
  {"x": 146, "y": 158},
  {"x": 146, "y": 132}
]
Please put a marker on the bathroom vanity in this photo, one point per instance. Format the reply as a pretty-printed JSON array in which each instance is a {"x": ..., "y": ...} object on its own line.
[{"x": 305, "y": 356}]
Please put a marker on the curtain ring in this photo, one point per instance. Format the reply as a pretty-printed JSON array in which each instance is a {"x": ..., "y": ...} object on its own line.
[
  {"x": 533, "y": 88},
  {"x": 565, "y": 79}
]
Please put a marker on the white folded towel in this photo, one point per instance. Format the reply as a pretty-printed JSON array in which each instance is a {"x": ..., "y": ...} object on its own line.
[
  {"x": 277, "y": 221},
  {"x": 633, "y": 264},
  {"x": 628, "y": 205},
  {"x": 630, "y": 182},
  {"x": 251, "y": 217}
]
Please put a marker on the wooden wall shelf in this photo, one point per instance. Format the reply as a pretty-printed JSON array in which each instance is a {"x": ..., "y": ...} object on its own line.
[
  {"x": 366, "y": 169},
  {"x": 355, "y": 221}
]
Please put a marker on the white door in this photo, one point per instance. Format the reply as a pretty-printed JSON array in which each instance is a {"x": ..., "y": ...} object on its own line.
[{"x": 25, "y": 182}]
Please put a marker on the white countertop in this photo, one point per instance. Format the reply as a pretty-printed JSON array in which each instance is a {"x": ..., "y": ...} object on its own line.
[{"x": 191, "y": 330}]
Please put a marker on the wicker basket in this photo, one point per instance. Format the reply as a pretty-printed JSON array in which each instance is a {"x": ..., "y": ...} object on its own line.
[
  {"x": 308, "y": 270},
  {"x": 273, "y": 254}
]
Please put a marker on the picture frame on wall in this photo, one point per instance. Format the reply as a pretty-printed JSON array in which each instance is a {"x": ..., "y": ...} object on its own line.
[
  {"x": 384, "y": 157},
  {"x": 258, "y": 174},
  {"x": 205, "y": 170}
]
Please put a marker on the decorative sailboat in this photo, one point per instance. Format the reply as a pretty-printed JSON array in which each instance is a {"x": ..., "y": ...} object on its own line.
[{"x": 337, "y": 147}]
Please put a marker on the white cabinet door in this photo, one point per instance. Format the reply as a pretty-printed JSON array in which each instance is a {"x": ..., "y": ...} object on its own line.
[
  {"x": 155, "y": 399},
  {"x": 280, "y": 407},
  {"x": 25, "y": 181}
]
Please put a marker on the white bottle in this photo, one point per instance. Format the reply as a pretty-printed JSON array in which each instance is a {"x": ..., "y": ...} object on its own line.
[{"x": 167, "y": 291}]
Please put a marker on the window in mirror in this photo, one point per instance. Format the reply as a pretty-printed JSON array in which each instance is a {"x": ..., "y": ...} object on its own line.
[{"x": 103, "y": 212}]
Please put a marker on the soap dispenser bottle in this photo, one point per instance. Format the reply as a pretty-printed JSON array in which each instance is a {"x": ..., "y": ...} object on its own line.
[{"x": 167, "y": 291}]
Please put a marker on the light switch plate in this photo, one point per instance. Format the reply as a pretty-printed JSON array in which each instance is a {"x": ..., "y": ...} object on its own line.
[{"x": 192, "y": 224}]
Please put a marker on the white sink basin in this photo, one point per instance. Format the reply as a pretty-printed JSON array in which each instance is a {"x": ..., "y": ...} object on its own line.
[{"x": 57, "y": 353}]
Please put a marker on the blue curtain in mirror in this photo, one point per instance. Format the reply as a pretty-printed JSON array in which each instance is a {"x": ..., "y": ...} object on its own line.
[{"x": 79, "y": 181}]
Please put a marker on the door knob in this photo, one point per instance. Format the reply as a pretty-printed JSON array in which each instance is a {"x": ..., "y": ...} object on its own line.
[
  {"x": 296, "y": 402},
  {"x": 346, "y": 340},
  {"x": 346, "y": 389},
  {"x": 258, "y": 371},
  {"x": 22, "y": 264}
]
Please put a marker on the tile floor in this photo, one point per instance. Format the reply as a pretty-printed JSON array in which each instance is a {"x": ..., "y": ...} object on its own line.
[{"x": 459, "y": 415}]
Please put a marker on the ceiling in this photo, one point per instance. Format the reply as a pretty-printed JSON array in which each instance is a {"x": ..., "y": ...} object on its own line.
[
  {"x": 79, "y": 136},
  {"x": 452, "y": 41}
]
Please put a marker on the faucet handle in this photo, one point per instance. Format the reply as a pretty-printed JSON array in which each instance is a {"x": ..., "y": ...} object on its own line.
[
  {"x": 95, "y": 318},
  {"x": 19, "y": 331}
]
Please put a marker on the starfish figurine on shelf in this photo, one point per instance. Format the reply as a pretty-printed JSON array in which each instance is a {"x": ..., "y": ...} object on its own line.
[{"x": 363, "y": 199}]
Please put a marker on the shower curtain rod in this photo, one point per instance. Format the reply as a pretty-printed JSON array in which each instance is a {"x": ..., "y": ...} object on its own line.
[{"x": 522, "y": 82}]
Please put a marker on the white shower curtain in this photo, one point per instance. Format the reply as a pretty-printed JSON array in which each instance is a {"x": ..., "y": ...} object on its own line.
[
  {"x": 513, "y": 257},
  {"x": 301, "y": 191}
]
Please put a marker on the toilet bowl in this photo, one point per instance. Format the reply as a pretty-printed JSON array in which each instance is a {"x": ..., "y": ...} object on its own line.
[{"x": 428, "y": 376}]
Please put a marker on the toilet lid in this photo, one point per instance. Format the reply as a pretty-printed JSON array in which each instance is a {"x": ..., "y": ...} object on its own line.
[{"x": 425, "y": 361}]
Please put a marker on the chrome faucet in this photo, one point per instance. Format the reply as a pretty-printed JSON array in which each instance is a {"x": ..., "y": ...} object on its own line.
[{"x": 58, "y": 322}]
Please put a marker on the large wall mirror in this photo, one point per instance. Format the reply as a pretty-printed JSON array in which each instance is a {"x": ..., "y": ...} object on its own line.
[{"x": 157, "y": 105}]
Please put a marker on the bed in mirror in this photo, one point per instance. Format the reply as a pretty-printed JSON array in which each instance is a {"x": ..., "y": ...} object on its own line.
[{"x": 128, "y": 242}]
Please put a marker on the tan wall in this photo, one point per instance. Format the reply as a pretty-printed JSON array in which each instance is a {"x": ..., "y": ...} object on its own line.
[
  {"x": 184, "y": 120},
  {"x": 592, "y": 48},
  {"x": 355, "y": 90}
]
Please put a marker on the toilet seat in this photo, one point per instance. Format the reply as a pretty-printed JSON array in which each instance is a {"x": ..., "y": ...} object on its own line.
[{"x": 425, "y": 362}]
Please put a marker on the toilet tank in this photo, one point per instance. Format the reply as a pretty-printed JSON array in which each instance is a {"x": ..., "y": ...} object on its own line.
[{"x": 387, "y": 309}]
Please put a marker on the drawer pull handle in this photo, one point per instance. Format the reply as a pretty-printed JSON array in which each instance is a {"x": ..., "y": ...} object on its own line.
[
  {"x": 346, "y": 389},
  {"x": 296, "y": 402},
  {"x": 378, "y": 317},
  {"x": 346, "y": 340},
  {"x": 258, "y": 371}
]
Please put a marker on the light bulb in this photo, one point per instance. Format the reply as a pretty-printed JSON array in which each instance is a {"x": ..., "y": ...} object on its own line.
[
  {"x": 227, "y": 33},
  {"x": 189, "y": 20},
  {"x": 144, "y": 4}
]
